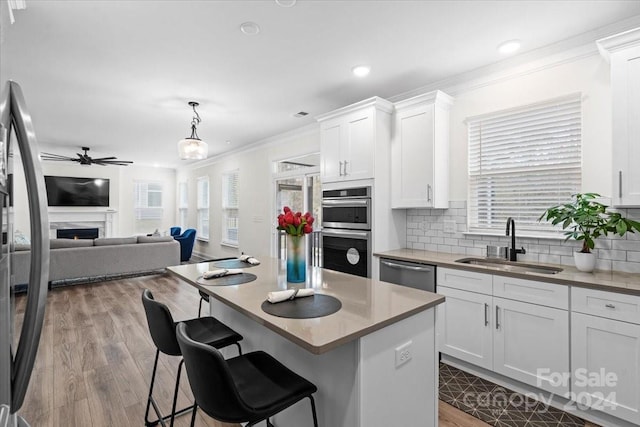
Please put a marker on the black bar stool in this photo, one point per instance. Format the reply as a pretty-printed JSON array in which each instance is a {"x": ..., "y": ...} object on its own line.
[
  {"x": 206, "y": 330},
  {"x": 247, "y": 388}
]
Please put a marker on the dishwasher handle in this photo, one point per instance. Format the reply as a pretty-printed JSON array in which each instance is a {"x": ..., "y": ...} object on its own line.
[{"x": 406, "y": 267}]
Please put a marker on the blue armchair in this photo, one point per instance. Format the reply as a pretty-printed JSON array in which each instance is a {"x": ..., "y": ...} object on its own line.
[
  {"x": 175, "y": 231},
  {"x": 186, "y": 239}
]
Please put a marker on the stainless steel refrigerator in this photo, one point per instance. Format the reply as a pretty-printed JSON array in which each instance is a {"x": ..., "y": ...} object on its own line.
[{"x": 19, "y": 345}]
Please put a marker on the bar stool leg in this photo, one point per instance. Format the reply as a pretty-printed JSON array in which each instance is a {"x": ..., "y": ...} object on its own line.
[
  {"x": 313, "y": 411},
  {"x": 175, "y": 393},
  {"x": 193, "y": 415},
  {"x": 150, "y": 400}
]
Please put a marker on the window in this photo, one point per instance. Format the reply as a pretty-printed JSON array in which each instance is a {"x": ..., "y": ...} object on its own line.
[
  {"x": 183, "y": 204},
  {"x": 522, "y": 162},
  {"x": 230, "y": 208},
  {"x": 202, "y": 206},
  {"x": 148, "y": 212}
]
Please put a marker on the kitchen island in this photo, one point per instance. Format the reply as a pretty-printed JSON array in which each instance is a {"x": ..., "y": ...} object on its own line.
[{"x": 374, "y": 361}]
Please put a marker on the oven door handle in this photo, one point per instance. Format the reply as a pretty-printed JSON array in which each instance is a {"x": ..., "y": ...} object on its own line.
[
  {"x": 346, "y": 203},
  {"x": 405, "y": 267},
  {"x": 362, "y": 235}
]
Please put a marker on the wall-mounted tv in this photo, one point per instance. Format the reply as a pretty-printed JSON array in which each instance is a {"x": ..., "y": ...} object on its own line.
[{"x": 71, "y": 191}]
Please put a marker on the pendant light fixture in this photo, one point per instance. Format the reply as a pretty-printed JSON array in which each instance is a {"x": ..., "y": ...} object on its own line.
[{"x": 192, "y": 147}]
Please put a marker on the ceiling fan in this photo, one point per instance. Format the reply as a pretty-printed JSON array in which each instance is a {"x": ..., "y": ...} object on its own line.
[{"x": 85, "y": 159}]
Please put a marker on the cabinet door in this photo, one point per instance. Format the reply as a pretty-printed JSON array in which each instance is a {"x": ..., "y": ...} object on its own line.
[
  {"x": 599, "y": 347},
  {"x": 412, "y": 158},
  {"x": 464, "y": 326},
  {"x": 531, "y": 344},
  {"x": 331, "y": 165},
  {"x": 625, "y": 86},
  {"x": 358, "y": 144}
]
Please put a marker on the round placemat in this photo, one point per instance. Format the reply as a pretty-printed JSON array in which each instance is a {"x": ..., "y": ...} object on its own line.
[
  {"x": 317, "y": 305},
  {"x": 230, "y": 280},
  {"x": 231, "y": 263}
]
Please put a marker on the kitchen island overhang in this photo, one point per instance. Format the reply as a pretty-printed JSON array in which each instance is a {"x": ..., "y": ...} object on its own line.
[{"x": 374, "y": 361}]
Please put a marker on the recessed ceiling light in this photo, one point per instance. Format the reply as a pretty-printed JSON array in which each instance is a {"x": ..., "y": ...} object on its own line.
[
  {"x": 286, "y": 3},
  {"x": 228, "y": 142},
  {"x": 361, "y": 71},
  {"x": 250, "y": 28},
  {"x": 509, "y": 46}
]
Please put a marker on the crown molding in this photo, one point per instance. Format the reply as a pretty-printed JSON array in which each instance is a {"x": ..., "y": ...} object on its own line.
[
  {"x": 377, "y": 102},
  {"x": 435, "y": 97},
  {"x": 612, "y": 44}
]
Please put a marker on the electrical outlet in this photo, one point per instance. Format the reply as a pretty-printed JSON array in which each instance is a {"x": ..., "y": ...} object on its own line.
[
  {"x": 449, "y": 226},
  {"x": 403, "y": 353}
]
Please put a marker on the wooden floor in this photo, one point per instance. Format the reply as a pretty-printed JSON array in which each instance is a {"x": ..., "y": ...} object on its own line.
[{"x": 95, "y": 358}]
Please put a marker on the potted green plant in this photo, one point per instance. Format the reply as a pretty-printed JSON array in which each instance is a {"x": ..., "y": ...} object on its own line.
[{"x": 585, "y": 220}]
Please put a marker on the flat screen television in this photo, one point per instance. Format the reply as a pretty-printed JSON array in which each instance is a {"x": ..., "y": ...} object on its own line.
[{"x": 71, "y": 191}]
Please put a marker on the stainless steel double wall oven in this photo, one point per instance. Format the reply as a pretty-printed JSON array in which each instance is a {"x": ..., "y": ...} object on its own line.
[{"x": 346, "y": 230}]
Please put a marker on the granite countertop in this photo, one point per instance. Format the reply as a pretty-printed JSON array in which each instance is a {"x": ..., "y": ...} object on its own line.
[
  {"x": 613, "y": 281},
  {"x": 367, "y": 304}
]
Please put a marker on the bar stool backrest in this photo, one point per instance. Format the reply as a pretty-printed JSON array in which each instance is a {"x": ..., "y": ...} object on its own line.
[
  {"x": 211, "y": 382},
  {"x": 161, "y": 325}
]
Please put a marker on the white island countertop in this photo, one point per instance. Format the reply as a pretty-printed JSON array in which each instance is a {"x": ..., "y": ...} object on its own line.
[{"x": 367, "y": 305}]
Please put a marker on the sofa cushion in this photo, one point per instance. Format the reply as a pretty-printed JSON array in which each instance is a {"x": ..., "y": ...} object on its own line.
[
  {"x": 154, "y": 239},
  {"x": 108, "y": 241},
  {"x": 70, "y": 243}
]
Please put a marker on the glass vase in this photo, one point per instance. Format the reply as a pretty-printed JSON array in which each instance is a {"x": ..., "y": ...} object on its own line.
[{"x": 296, "y": 259}]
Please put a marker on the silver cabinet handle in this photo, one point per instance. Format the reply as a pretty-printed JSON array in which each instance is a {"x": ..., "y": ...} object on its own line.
[
  {"x": 486, "y": 314},
  {"x": 428, "y": 192},
  {"x": 497, "y": 317},
  {"x": 13, "y": 110},
  {"x": 620, "y": 184},
  {"x": 345, "y": 168},
  {"x": 610, "y": 306},
  {"x": 340, "y": 167}
]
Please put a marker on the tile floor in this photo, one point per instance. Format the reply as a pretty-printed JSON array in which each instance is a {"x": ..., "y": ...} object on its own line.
[{"x": 496, "y": 405}]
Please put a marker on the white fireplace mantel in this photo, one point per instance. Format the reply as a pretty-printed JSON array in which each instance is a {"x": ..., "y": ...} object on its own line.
[{"x": 104, "y": 220}]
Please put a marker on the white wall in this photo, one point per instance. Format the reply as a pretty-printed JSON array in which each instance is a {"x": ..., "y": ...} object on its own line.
[
  {"x": 255, "y": 192},
  {"x": 589, "y": 76}
]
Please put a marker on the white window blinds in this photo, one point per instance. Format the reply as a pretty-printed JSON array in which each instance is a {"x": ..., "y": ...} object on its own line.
[
  {"x": 230, "y": 208},
  {"x": 183, "y": 204},
  {"x": 522, "y": 162},
  {"x": 147, "y": 200},
  {"x": 202, "y": 206}
]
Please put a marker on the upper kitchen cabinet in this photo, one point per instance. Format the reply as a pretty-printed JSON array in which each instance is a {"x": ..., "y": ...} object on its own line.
[
  {"x": 350, "y": 138},
  {"x": 420, "y": 152},
  {"x": 623, "y": 52}
]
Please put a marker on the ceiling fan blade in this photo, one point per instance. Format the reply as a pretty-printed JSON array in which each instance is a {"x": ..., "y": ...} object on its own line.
[
  {"x": 54, "y": 156},
  {"x": 104, "y": 158},
  {"x": 114, "y": 162}
]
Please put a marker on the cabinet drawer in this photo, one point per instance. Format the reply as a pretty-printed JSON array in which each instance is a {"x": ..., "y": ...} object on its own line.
[
  {"x": 611, "y": 305},
  {"x": 465, "y": 280},
  {"x": 531, "y": 291}
]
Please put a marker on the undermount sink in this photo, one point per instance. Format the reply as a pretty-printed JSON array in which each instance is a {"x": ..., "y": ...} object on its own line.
[{"x": 515, "y": 267}]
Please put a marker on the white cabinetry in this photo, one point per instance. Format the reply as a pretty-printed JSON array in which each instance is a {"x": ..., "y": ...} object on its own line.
[
  {"x": 623, "y": 52},
  {"x": 507, "y": 334},
  {"x": 420, "y": 152},
  {"x": 603, "y": 345},
  {"x": 350, "y": 138}
]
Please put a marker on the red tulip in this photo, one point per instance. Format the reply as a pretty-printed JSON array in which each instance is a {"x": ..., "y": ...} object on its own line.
[
  {"x": 286, "y": 209},
  {"x": 307, "y": 229},
  {"x": 310, "y": 220},
  {"x": 298, "y": 214},
  {"x": 288, "y": 217},
  {"x": 296, "y": 221}
]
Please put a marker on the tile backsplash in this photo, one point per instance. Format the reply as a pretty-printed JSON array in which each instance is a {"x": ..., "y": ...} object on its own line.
[{"x": 443, "y": 230}]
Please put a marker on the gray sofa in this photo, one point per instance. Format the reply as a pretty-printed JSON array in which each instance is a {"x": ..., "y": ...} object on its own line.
[{"x": 75, "y": 259}]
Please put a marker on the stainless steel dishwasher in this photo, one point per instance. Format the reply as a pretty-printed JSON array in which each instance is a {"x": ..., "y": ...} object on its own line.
[{"x": 411, "y": 274}]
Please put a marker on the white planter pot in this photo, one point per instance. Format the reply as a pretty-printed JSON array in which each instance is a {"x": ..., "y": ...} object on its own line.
[{"x": 585, "y": 261}]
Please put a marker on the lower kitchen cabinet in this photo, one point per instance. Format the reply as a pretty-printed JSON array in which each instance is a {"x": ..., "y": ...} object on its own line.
[
  {"x": 601, "y": 346},
  {"x": 510, "y": 336},
  {"x": 531, "y": 344},
  {"x": 464, "y": 327}
]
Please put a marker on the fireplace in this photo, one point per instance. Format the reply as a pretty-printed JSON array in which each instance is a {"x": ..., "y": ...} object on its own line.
[{"x": 77, "y": 233}]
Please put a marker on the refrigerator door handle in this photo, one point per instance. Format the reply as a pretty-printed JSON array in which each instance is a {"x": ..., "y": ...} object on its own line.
[{"x": 17, "y": 115}]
